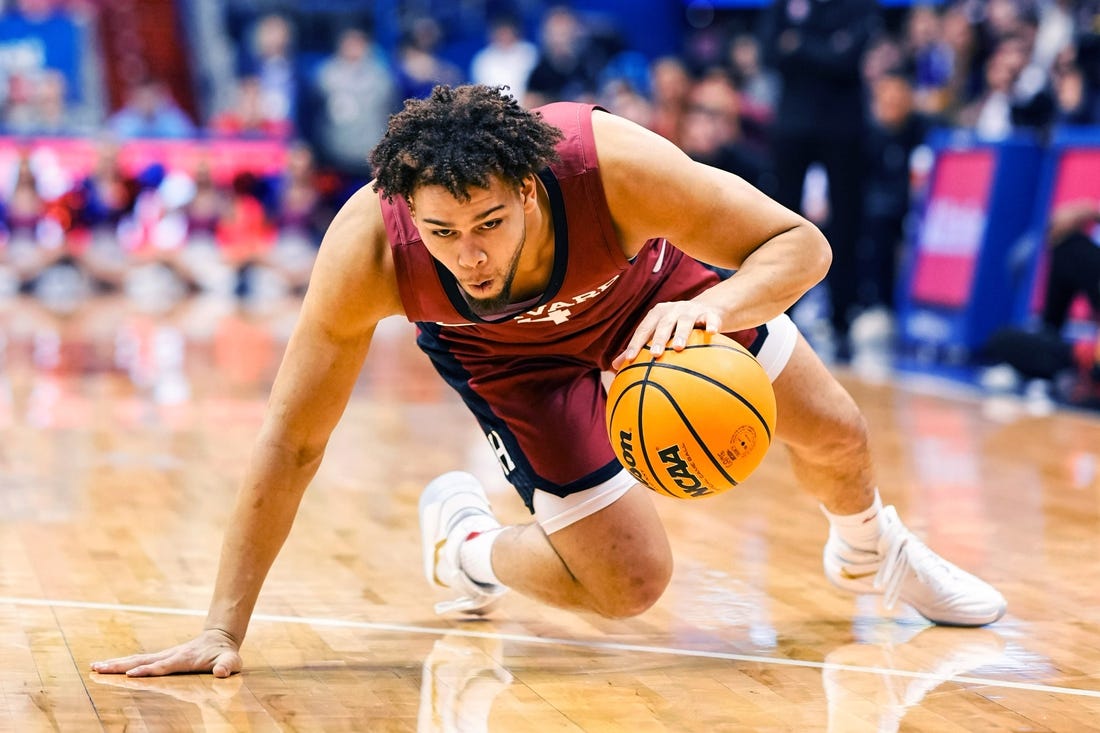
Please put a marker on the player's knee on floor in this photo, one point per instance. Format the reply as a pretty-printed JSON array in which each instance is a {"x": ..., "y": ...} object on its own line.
[
  {"x": 634, "y": 591},
  {"x": 612, "y": 543}
]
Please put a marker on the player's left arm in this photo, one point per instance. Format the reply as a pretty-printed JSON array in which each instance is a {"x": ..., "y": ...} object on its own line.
[{"x": 655, "y": 190}]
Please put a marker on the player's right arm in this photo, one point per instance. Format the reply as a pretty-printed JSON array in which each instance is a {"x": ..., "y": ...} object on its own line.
[{"x": 351, "y": 289}]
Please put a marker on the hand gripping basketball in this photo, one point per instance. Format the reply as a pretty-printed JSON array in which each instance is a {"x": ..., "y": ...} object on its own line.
[{"x": 695, "y": 422}]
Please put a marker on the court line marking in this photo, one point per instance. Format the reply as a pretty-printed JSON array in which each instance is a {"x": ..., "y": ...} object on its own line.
[{"x": 605, "y": 646}]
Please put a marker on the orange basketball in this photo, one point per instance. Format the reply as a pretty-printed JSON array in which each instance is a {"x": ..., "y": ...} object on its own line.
[{"x": 692, "y": 423}]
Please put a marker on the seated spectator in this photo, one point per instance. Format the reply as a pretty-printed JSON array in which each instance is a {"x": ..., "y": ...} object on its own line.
[
  {"x": 885, "y": 54},
  {"x": 99, "y": 203},
  {"x": 41, "y": 35},
  {"x": 621, "y": 97},
  {"x": 37, "y": 106},
  {"x": 670, "y": 83},
  {"x": 419, "y": 65},
  {"x": 240, "y": 260},
  {"x": 710, "y": 131},
  {"x": 107, "y": 192},
  {"x": 1074, "y": 265},
  {"x": 297, "y": 236},
  {"x": 201, "y": 259},
  {"x": 295, "y": 203},
  {"x": 565, "y": 69},
  {"x": 356, "y": 95},
  {"x": 1075, "y": 101},
  {"x": 243, "y": 228},
  {"x": 150, "y": 112},
  {"x": 1073, "y": 271},
  {"x": 151, "y": 237},
  {"x": 269, "y": 55},
  {"x": 248, "y": 117},
  {"x": 1011, "y": 102},
  {"x": 931, "y": 59},
  {"x": 24, "y": 207},
  {"x": 206, "y": 206},
  {"x": 967, "y": 78},
  {"x": 507, "y": 60},
  {"x": 35, "y": 243},
  {"x": 758, "y": 85}
]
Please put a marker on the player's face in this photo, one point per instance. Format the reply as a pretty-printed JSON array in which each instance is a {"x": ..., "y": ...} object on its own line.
[{"x": 480, "y": 240}]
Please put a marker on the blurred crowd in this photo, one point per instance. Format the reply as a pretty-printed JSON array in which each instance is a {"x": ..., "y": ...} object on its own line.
[{"x": 826, "y": 106}]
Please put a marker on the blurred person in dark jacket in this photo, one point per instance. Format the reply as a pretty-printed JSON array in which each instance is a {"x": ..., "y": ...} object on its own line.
[
  {"x": 711, "y": 133},
  {"x": 895, "y": 131},
  {"x": 817, "y": 47}
]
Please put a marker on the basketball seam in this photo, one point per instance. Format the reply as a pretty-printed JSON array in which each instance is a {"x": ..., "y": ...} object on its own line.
[
  {"x": 614, "y": 410},
  {"x": 729, "y": 390},
  {"x": 641, "y": 435},
  {"x": 691, "y": 428}
]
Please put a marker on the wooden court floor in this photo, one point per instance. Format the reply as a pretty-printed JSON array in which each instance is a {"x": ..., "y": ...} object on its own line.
[{"x": 124, "y": 434}]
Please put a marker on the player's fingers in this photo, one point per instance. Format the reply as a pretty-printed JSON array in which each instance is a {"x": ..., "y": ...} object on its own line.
[
  {"x": 684, "y": 326},
  {"x": 153, "y": 669},
  {"x": 642, "y": 335},
  {"x": 167, "y": 665},
  {"x": 689, "y": 319},
  {"x": 119, "y": 665},
  {"x": 663, "y": 332}
]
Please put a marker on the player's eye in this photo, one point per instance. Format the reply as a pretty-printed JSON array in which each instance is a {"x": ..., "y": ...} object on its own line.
[
  {"x": 491, "y": 224},
  {"x": 442, "y": 233}
]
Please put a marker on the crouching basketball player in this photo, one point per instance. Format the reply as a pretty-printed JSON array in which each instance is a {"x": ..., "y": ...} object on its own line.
[{"x": 536, "y": 249}]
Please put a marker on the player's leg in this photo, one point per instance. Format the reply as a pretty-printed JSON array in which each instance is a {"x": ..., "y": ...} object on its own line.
[
  {"x": 869, "y": 550},
  {"x": 824, "y": 432},
  {"x": 602, "y": 549},
  {"x": 596, "y": 544},
  {"x": 616, "y": 561}
]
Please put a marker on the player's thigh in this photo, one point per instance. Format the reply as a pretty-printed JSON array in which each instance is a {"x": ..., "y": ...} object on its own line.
[
  {"x": 620, "y": 550},
  {"x": 812, "y": 408}
]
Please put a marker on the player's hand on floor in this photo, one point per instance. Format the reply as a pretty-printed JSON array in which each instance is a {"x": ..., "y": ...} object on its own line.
[
  {"x": 668, "y": 325},
  {"x": 211, "y": 651}
]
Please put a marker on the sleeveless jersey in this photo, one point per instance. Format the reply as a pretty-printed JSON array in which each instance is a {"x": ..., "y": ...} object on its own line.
[
  {"x": 594, "y": 291},
  {"x": 533, "y": 380}
]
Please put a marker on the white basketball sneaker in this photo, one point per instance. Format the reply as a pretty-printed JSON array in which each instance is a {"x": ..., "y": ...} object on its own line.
[
  {"x": 453, "y": 507},
  {"x": 904, "y": 568}
]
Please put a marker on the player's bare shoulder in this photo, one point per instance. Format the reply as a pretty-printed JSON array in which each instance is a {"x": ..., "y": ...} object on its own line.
[
  {"x": 647, "y": 180},
  {"x": 626, "y": 152},
  {"x": 354, "y": 273},
  {"x": 654, "y": 189}
]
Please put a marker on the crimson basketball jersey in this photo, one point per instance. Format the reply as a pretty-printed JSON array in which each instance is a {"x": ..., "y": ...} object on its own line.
[
  {"x": 592, "y": 286},
  {"x": 532, "y": 379}
]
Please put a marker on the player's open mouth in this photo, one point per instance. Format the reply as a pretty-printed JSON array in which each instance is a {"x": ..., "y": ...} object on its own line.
[{"x": 479, "y": 287}]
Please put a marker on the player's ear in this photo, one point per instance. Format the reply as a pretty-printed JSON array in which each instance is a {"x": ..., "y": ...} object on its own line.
[{"x": 528, "y": 191}]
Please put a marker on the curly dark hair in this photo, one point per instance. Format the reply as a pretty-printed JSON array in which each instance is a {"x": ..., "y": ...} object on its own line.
[{"x": 457, "y": 138}]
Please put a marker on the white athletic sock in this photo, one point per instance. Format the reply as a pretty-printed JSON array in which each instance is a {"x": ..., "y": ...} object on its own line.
[
  {"x": 861, "y": 530},
  {"x": 475, "y": 557}
]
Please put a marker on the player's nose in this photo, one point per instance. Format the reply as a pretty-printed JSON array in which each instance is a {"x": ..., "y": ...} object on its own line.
[{"x": 471, "y": 256}]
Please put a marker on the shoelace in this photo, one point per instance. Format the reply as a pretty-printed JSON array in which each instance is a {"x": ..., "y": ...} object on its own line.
[
  {"x": 892, "y": 571},
  {"x": 899, "y": 559}
]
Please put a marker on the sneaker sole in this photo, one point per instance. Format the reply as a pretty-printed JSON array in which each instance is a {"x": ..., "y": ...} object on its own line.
[{"x": 969, "y": 624}]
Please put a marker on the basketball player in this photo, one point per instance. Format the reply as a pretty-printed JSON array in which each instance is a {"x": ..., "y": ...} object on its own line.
[{"x": 535, "y": 250}]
